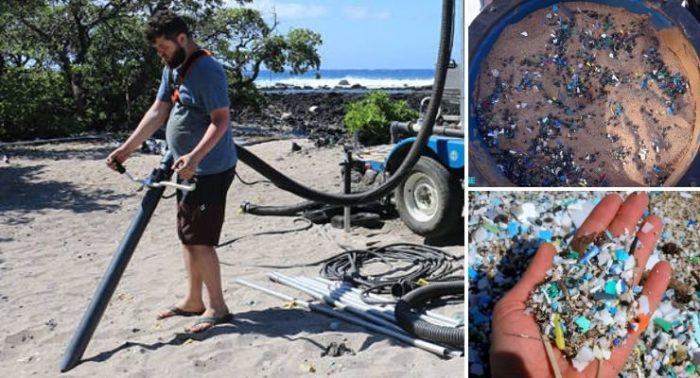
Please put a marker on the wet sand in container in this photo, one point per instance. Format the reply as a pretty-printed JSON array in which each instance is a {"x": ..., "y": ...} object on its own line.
[{"x": 584, "y": 94}]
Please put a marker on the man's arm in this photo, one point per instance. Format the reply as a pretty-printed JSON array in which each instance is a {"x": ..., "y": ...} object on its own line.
[
  {"x": 186, "y": 165},
  {"x": 151, "y": 121},
  {"x": 154, "y": 118}
]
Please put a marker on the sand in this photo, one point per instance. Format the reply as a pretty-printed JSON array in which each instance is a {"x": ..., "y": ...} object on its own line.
[
  {"x": 62, "y": 215},
  {"x": 588, "y": 120}
]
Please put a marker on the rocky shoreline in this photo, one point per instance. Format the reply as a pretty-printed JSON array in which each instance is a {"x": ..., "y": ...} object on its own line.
[{"x": 313, "y": 113}]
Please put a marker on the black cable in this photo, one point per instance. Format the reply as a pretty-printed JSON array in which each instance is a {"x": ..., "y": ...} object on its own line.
[
  {"x": 306, "y": 226},
  {"x": 251, "y": 183}
]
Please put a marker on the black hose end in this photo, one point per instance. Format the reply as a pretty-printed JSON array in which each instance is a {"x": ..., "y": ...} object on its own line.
[
  {"x": 120, "y": 167},
  {"x": 402, "y": 288},
  {"x": 245, "y": 206}
]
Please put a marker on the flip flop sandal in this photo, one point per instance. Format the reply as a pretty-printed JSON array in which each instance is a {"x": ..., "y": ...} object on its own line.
[
  {"x": 176, "y": 311},
  {"x": 212, "y": 321}
]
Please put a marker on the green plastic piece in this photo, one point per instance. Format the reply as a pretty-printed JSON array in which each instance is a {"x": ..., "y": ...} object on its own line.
[
  {"x": 611, "y": 287},
  {"x": 583, "y": 323},
  {"x": 663, "y": 323},
  {"x": 552, "y": 291}
]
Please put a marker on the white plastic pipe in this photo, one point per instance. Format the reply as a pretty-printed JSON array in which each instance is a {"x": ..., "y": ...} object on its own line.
[
  {"x": 349, "y": 296},
  {"x": 447, "y": 320},
  {"x": 327, "y": 310},
  {"x": 361, "y": 312}
]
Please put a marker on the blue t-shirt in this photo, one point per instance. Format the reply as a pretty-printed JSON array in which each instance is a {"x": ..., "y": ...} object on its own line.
[{"x": 204, "y": 89}]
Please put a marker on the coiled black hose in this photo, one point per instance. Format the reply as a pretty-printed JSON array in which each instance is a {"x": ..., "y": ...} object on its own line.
[
  {"x": 285, "y": 183},
  {"x": 408, "y": 263},
  {"x": 406, "y": 313}
]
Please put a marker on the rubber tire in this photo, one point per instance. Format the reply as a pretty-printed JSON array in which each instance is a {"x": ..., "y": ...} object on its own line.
[{"x": 450, "y": 200}]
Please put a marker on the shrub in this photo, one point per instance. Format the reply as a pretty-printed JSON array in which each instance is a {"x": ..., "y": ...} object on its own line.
[
  {"x": 370, "y": 117},
  {"x": 34, "y": 104}
]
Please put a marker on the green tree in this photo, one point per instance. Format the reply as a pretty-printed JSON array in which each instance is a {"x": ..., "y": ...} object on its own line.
[
  {"x": 244, "y": 41},
  {"x": 109, "y": 74},
  {"x": 371, "y": 117}
]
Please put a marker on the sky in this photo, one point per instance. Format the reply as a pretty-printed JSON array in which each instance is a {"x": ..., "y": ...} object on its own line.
[{"x": 368, "y": 34}]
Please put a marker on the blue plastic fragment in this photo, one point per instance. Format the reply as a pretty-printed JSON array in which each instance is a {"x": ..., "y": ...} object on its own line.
[
  {"x": 484, "y": 299},
  {"x": 591, "y": 252},
  {"x": 692, "y": 222},
  {"x": 555, "y": 8},
  {"x": 583, "y": 323},
  {"x": 478, "y": 316},
  {"x": 666, "y": 235},
  {"x": 472, "y": 273},
  {"x": 621, "y": 255},
  {"x": 612, "y": 310},
  {"x": 513, "y": 228},
  {"x": 643, "y": 84},
  {"x": 615, "y": 269},
  {"x": 545, "y": 234}
]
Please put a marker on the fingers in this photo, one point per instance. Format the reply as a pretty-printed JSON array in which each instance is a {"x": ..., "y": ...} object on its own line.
[
  {"x": 654, "y": 289},
  {"x": 535, "y": 273},
  {"x": 598, "y": 221},
  {"x": 629, "y": 213},
  {"x": 647, "y": 236}
]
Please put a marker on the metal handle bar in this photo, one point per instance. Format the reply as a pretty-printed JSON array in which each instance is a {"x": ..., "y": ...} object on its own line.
[{"x": 150, "y": 184}]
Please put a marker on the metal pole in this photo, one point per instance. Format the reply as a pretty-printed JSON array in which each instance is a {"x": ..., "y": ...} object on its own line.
[
  {"x": 348, "y": 296},
  {"x": 356, "y": 310},
  {"x": 348, "y": 186},
  {"x": 327, "y": 310},
  {"x": 105, "y": 289}
]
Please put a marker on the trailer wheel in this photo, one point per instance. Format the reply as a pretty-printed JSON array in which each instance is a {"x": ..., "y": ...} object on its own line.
[{"x": 429, "y": 201}]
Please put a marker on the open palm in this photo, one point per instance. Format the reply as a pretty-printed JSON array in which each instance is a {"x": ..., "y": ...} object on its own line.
[{"x": 516, "y": 347}]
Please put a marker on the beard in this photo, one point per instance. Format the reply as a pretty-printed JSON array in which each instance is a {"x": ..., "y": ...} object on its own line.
[{"x": 177, "y": 59}]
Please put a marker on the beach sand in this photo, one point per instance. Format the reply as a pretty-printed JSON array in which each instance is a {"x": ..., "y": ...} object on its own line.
[{"x": 62, "y": 215}]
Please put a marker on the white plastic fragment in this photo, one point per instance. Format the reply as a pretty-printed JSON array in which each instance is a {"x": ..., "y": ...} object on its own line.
[
  {"x": 653, "y": 259},
  {"x": 580, "y": 215},
  {"x": 583, "y": 358},
  {"x": 526, "y": 212},
  {"x": 647, "y": 227},
  {"x": 524, "y": 34},
  {"x": 643, "y": 304}
]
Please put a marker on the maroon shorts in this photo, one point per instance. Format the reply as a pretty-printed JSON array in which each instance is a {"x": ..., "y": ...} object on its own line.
[{"x": 200, "y": 213}]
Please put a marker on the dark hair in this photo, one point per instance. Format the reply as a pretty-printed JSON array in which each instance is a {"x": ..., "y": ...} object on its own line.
[{"x": 165, "y": 23}]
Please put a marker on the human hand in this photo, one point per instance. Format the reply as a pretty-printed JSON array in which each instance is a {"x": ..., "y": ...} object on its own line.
[
  {"x": 517, "y": 349},
  {"x": 186, "y": 166},
  {"x": 117, "y": 156}
]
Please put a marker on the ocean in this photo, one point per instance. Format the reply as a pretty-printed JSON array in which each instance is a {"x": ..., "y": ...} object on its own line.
[{"x": 377, "y": 78}]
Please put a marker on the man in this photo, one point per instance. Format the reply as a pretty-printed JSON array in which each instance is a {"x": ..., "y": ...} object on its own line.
[{"x": 193, "y": 99}]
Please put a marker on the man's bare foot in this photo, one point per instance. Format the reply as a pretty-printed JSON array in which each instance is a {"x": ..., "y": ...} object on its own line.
[{"x": 183, "y": 308}]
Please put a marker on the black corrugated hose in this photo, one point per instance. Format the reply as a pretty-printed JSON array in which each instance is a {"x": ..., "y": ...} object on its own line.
[
  {"x": 408, "y": 308},
  {"x": 288, "y": 184}
]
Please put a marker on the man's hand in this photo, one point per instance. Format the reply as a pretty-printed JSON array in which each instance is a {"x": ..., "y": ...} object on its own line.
[
  {"x": 185, "y": 166},
  {"x": 118, "y": 156},
  {"x": 514, "y": 356}
]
